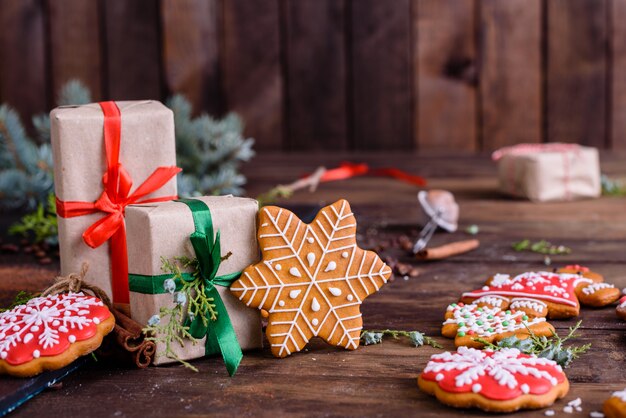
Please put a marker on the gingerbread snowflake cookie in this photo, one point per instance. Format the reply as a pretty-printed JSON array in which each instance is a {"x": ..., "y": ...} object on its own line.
[
  {"x": 553, "y": 294},
  {"x": 615, "y": 406},
  {"x": 50, "y": 332},
  {"x": 469, "y": 323},
  {"x": 311, "y": 279},
  {"x": 621, "y": 308},
  {"x": 496, "y": 381}
]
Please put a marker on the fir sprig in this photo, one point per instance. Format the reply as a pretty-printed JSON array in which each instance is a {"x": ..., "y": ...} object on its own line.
[
  {"x": 541, "y": 247},
  {"x": 369, "y": 337},
  {"x": 551, "y": 348},
  {"x": 191, "y": 301},
  {"x": 40, "y": 225},
  {"x": 168, "y": 328},
  {"x": 199, "y": 303},
  {"x": 20, "y": 299}
]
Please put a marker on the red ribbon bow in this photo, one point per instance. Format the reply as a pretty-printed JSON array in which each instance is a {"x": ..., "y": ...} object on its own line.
[{"x": 113, "y": 201}]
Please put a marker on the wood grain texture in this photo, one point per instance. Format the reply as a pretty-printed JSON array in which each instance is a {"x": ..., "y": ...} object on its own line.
[
  {"x": 445, "y": 76},
  {"x": 316, "y": 107},
  {"x": 510, "y": 72},
  {"x": 251, "y": 68},
  {"x": 191, "y": 51},
  {"x": 381, "y": 74},
  {"x": 618, "y": 75},
  {"x": 577, "y": 71},
  {"x": 133, "y": 49},
  {"x": 23, "y": 82},
  {"x": 375, "y": 380},
  {"x": 75, "y": 44}
]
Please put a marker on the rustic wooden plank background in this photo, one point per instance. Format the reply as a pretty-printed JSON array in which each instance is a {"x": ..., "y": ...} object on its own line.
[{"x": 429, "y": 75}]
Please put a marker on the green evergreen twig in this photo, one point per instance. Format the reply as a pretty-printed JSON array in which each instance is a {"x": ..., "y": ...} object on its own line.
[
  {"x": 369, "y": 337},
  {"x": 541, "y": 247},
  {"x": 547, "y": 347}
]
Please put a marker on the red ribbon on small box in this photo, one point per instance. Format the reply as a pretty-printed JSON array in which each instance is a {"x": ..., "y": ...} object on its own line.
[{"x": 113, "y": 201}]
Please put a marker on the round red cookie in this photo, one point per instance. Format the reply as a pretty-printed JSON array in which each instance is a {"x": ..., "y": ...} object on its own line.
[
  {"x": 50, "y": 332},
  {"x": 496, "y": 381}
]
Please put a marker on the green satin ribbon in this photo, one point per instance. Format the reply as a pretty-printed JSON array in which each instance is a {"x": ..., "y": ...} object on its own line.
[{"x": 220, "y": 334}]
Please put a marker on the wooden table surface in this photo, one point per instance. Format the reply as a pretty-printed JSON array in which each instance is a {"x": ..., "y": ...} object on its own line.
[{"x": 375, "y": 380}]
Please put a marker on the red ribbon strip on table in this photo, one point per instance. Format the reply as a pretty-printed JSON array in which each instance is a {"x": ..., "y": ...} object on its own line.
[
  {"x": 113, "y": 201},
  {"x": 348, "y": 170}
]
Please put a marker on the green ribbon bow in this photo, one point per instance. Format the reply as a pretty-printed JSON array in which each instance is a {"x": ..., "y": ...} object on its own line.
[{"x": 220, "y": 334}]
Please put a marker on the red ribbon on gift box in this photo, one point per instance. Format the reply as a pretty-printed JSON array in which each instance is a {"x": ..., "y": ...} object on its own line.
[{"x": 113, "y": 201}]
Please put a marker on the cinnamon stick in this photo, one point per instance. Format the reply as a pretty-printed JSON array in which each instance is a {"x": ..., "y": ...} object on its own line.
[
  {"x": 448, "y": 250},
  {"x": 127, "y": 342}
]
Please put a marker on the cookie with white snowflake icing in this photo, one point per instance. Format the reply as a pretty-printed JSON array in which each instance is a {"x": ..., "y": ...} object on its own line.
[
  {"x": 50, "y": 332},
  {"x": 468, "y": 323},
  {"x": 311, "y": 278},
  {"x": 615, "y": 406},
  {"x": 553, "y": 294},
  {"x": 497, "y": 381}
]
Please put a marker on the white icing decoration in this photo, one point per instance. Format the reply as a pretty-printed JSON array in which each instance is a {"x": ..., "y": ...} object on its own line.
[
  {"x": 310, "y": 240},
  {"x": 295, "y": 272},
  {"x": 476, "y": 387},
  {"x": 503, "y": 366},
  {"x": 496, "y": 323},
  {"x": 491, "y": 300},
  {"x": 620, "y": 394},
  {"x": 34, "y": 328},
  {"x": 294, "y": 293},
  {"x": 96, "y": 321},
  {"x": 332, "y": 233},
  {"x": 535, "y": 305},
  {"x": 3, "y": 355},
  {"x": 315, "y": 321},
  {"x": 330, "y": 267},
  {"x": 27, "y": 338},
  {"x": 64, "y": 328},
  {"x": 281, "y": 303},
  {"x": 36, "y": 354},
  {"x": 277, "y": 267},
  {"x": 335, "y": 291},
  {"x": 485, "y": 287},
  {"x": 315, "y": 305},
  {"x": 71, "y": 339},
  {"x": 439, "y": 377},
  {"x": 310, "y": 257},
  {"x": 525, "y": 388},
  {"x": 594, "y": 287},
  {"x": 344, "y": 254}
]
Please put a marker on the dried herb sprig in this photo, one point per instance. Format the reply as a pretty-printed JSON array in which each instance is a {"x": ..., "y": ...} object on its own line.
[
  {"x": 369, "y": 337},
  {"x": 541, "y": 247},
  {"x": 547, "y": 347}
]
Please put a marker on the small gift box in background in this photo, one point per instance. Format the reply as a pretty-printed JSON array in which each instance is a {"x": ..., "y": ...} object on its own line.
[
  {"x": 220, "y": 232},
  {"x": 549, "y": 172},
  {"x": 106, "y": 156}
]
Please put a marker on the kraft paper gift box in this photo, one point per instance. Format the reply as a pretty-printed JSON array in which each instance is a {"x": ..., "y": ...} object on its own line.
[
  {"x": 162, "y": 230},
  {"x": 143, "y": 142},
  {"x": 549, "y": 172}
]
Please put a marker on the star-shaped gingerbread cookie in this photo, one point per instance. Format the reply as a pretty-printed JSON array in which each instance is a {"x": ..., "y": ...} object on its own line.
[{"x": 311, "y": 279}]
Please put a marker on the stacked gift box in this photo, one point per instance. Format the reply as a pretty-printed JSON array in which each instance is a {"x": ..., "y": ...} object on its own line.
[{"x": 115, "y": 186}]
